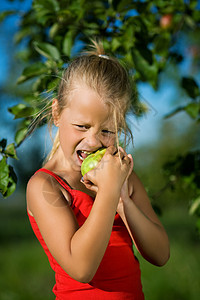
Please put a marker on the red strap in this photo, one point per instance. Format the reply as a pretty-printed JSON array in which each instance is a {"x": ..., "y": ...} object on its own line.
[{"x": 61, "y": 181}]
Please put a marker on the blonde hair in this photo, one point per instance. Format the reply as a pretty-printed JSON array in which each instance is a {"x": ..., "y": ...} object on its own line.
[{"x": 107, "y": 77}]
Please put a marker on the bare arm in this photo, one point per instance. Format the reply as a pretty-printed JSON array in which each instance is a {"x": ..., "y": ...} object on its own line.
[
  {"x": 143, "y": 224},
  {"x": 79, "y": 251}
]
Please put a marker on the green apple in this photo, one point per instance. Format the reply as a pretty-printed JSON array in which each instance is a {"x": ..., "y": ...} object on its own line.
[{"x": 92, "y": 160}]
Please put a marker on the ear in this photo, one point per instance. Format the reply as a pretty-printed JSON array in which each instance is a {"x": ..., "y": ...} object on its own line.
[{"x": 55, "y": 112}]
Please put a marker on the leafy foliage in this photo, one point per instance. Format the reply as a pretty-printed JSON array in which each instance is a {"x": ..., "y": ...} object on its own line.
[
  {"x": 186, "y": 170},
  {"x": 8, "y": 177},
  {"x": 142, "y": 34}
]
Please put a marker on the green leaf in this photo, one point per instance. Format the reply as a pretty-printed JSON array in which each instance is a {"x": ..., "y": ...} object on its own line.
[
  {"x": 195, "y": 206},
  {"x": 51, "y": 5},
  {"x": 7, "y": 13},
  {"x": 115, "y": 44},
  {"x": 4, "y": 175},
  {"x": 174, "y": 112},
  {"x": 192, "y": 110},
  {"x": 193, "y": 4},
  {"x": 25, "y": 128},
  {"x": 191, "y": 87},
  {"x": 68, "y": 43},
  {"x": 53, "y": 84},
  {"x": 122, "y": 5},
  {"x": 3, "y": 144},
  {"x": 11, "y": 151},
  {"x": 21, "y": 135},
  {"x": 21, "y": 34},
  {"x": 31, "y": 71},
  {"x": 53, "y": 30},
  {"x": 8, "y": 178},
  {"x": 12, "y": 182},
  {"x": 21, "y": 111},
  {"x": 162, "y": 43},
  {"x": 47, "y": 50},
  {"x": 40, "y": 84},
  {"x": 146, "y": 71}
]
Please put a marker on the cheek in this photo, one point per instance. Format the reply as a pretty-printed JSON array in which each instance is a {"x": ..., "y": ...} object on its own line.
[
  {"x": 66, "y": 137},
  {"x": 69, "y": 137},
  {"x": 109, "y": 141}
]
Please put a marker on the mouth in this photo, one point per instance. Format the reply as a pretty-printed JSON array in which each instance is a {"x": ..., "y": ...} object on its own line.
[{"x": 82, "y": 154}]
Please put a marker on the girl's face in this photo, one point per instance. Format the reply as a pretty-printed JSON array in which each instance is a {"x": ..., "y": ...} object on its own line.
[{"x": 85, "y": 125}]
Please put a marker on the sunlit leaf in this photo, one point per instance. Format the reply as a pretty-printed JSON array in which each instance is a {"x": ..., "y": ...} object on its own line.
[
  {"x": 11, "y": 151},
  {"x": 53, "y": 30},
  {"x": 68, "y": 43},
  {"x": 47, "y": 50},
  {"x": 193, "y": 110},
  {"x": 12, "y": 182},
  {"x": 115, "y": 44},
  {"x": 21, "y": 110},
  {"x": 53, "y": 84},
  {"x": 8, "y": 178},
  {"x": 31, "y": 71},
  {"x": 21, "y": 34},
  {"x": 4, "y": 175},
  {"x": 195, "y": 206},
  {"x": 51, "y": 5},
  {"x": 21, "y": 135}
]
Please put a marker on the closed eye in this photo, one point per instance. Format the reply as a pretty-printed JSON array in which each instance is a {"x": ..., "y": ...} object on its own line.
[
  {"x": 108, "y": 132},
  {"x": 82, "y": 127}
]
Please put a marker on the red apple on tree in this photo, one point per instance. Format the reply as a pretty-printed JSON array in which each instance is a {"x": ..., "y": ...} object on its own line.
[{"x": 166, "y": 21}]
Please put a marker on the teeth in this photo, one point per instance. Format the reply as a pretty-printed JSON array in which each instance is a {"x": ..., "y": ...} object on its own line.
[{"x": 85, "y": 152}]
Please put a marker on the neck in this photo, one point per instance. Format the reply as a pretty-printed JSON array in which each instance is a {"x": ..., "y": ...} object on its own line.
[{"x": 60, "y": 166}]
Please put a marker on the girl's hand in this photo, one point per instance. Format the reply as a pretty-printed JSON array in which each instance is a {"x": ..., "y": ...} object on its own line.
[{"x": 110, "y": 173}]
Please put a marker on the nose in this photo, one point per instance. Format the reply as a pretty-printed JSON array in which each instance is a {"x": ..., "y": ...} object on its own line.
[{"x": 93, "y": 141}]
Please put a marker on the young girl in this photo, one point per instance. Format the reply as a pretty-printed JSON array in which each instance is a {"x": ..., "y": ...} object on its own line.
[{"x": 87, "y": 225}]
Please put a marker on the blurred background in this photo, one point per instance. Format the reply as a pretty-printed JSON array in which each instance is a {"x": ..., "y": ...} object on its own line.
[{"x": 25, "y": 272}]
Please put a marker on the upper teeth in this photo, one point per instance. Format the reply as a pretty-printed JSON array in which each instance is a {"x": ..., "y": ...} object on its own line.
[{"x": 85, "y": 152}]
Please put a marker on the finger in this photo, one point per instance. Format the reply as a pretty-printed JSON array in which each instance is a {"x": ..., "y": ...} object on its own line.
[
  {"x": 122, "y": 150},
  {"x": 127, "y": 160},
  {"x": 119, "y": 152},
  {"x": 122, "y": 155},
  {"x": 131, "y": 158},
  {"x": 89, "y": 185},
  {"x": 131, "y": 163},
  {"x": 86, "y": 179},
  {"x": 92, "y": 187},
  {"x": 111, "y": 150}
]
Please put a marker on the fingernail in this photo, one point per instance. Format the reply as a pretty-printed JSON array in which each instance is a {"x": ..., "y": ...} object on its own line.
[{"x": 82, "y": 180}]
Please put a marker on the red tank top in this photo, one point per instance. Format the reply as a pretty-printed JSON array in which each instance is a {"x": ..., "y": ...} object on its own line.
[{"x": 118, "y": 276}]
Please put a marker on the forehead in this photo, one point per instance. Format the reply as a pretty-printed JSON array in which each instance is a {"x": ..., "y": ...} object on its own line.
[{"x": 85, "y": 103}]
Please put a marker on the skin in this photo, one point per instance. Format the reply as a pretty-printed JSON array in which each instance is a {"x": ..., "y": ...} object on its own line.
[{"x": 85, "y": 124}]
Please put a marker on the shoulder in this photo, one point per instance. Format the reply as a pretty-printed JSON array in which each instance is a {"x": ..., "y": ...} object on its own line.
[
  {"x": 40, "y": 182},
  {"x": 136, "y": 187},
  {"x": 44, "y": 188}
]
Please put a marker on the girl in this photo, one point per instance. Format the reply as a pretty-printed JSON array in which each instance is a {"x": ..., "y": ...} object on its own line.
[{"x": 87, "y": 225}]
